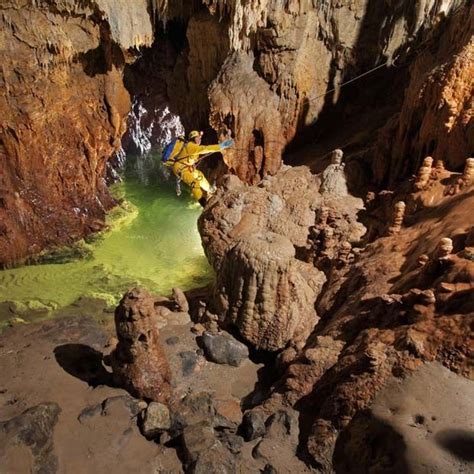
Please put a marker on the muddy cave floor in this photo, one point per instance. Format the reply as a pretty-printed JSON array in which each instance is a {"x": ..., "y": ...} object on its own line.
[
  {"x": 60, "y": 362},
  {"x": 66, "y": 415}
]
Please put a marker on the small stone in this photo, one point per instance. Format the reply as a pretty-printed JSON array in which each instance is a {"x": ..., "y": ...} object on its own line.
[
  {"x": 198, "y": 329},
  {"x": 180, "y": 299},
  {"x": 223, "y": 349},
  {"x": 156, "y": 419},
  {"x": 197, "y": 439},
  {"x": 89, "y": 412},
  {"x": 142, "y": 405},
  {"x": 269, "y": 469},
  {"x": 253, "y": 425},
  {"x": 233, "y": 442}
]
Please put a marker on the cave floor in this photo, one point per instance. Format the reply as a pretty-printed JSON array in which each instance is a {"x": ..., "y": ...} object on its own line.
[{"x": 60, "y": 362}]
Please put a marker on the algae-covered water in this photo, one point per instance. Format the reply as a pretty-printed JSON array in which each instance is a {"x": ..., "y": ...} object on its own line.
[{"x": 154, "y": 243}]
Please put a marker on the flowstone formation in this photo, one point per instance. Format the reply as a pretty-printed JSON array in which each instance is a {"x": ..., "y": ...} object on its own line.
[
  {"x": 258, "y": 240},
  {"x": 404, "y": 300}
]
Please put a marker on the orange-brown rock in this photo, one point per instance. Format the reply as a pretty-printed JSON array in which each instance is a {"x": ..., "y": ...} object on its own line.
[
  {"x": 260, "y": 241},
  {"x": 383, "y": 319},
  {"x": 397, "y": 218},
  {"x": 437, "y": 112},
  {"x": 266, "y": 66},
  {"x": 63, "y": 107},
  {"x": 139, "y": 363}
]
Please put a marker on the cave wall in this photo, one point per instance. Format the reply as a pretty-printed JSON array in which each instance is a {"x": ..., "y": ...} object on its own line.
[
  {"x": 254, "y": 70},
  {"x": 436, "y": 117},
  {"x": 63, "y": 107},
  {"x": 276, "y": 59}
]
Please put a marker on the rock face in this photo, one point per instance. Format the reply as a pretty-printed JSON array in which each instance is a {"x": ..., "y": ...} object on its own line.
[
  {"x": 260, "y": 70},
  {"x": 63, "y": 106},
  {"x": 436, "y": 114},
  {"x": 138, "y": 362},
  {"x": 156, "y": 420},
  {"x": 257, "y": 70},
  {"x": 403, "y": 301}
]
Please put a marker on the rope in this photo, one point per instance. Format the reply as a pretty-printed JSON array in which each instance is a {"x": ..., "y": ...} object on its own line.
[
  {"x": 353, "y": 79},
  {"x": 392, "y": 62}
]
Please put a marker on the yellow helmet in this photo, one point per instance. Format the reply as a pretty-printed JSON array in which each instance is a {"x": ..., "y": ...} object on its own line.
[{"x": 194, "y": 134}]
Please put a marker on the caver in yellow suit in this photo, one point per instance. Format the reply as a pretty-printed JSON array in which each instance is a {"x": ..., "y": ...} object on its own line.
[{"x": 184, "y": 157}]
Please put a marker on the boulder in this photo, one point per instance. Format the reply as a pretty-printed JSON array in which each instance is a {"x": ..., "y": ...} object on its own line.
[
  {"x": 253, "y": 425},
  {"x": 33, "y": 430},
  {"x": 223, "y": 349},
  {"x": 155, "y": 420}
]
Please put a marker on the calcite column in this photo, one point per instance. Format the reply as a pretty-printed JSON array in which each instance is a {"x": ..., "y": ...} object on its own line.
[{"x": 266, "y": 293}]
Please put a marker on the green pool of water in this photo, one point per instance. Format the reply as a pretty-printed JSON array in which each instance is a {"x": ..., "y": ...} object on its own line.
[{"x": 156, "y": 245}]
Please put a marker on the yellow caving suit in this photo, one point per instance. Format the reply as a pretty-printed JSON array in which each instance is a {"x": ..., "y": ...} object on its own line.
[{"x": 183, "y": 158}]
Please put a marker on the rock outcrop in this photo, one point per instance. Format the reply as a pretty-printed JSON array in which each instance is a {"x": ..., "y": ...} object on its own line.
[
  {"x": 437, "y": 113},
  {"x": 63, "y": 107},
  {"x": 138, "y": 362},
  {"x": 405, "y": 300},
  {"x": 258, "y": 240}
]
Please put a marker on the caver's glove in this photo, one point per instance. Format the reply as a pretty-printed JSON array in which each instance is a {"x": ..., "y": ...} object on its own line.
[{"x": 226, "y": 144}]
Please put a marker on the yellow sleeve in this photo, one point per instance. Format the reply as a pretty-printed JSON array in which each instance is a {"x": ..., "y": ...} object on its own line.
[
  {"x": 208, "y": 148},
  {"x": 195, "y": 149}
]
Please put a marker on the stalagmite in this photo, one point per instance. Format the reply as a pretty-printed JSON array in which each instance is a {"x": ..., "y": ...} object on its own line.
[
  {"x": 424, "y": 174},
  {"x": 438, "y": 170},
  {"x": 397, "y": 218},
  {"x": 468, "y": 173},
  {"x": 266, "y": 293},
  {"x": 138, "y": 362},
  {"x": 445, "y": 247},
  {"x": 333, "y": 180},
  {"x": 345, "y": 255}
]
